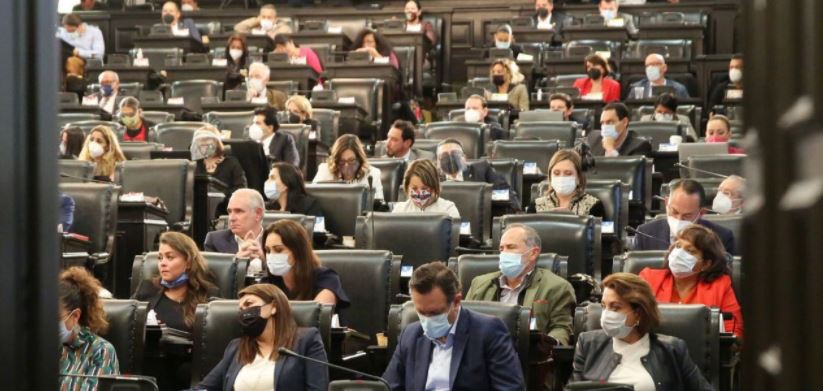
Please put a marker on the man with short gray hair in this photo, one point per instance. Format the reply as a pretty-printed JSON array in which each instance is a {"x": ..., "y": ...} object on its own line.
[
  {"x": 243, "y": 237},
  {"x": 730, "y": 195},
  {"x": 656, "y": 69},
  {"x": 109, "y": 90}
]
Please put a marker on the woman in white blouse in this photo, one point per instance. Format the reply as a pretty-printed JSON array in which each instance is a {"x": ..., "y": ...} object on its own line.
[
  {"x": 347, "y": 162},
  {"x": 422, "y": 186}
]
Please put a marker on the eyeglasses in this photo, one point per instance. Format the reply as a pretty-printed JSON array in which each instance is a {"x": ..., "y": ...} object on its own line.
[{"x": 349, "y": 162}]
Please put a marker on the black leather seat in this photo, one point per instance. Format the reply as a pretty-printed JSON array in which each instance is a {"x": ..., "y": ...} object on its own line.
[
  {"x": 635, "y": 171},
  {"x": 328, "y": 122},
  {"x": 216, "y": 325},
  {"x": 419, "y": 144},
  {"x": 469, "y": 266},
  {"x": 158, "y": 117},
  {"x": 669, "y": 48},
  {"x": 159, "y": 58},
  {"x": 300, "y": 133},
  {"x": 474, "y": 202},
  {"x": 657, "y": 132},
  {"x": 67, "y": 98},
  {"x": 126, "y": 332},
  {"x": 471, "y": 135},
  {"x": 720, "y": 164},
  {"x": 177, "y": 135},
  {"x": 172, "y": 180},
  {"x": 570, "y": 235},
  {"x": 614, "y": 195},
  {"x": 527, "y": 151},
  {"x": 67, "y": 118},
  {"x": 511, "y": 170},
  {"x": 151, "y": 96},
  {"x": 139, "y": 150},
  {"x": 75, "y": 170},
  {"x": 95, "y": 216},
  {"x": 391, "y": 175},
  {"x": 235, "y": 121},
  {"x": 392, "y": 231},
  {"x": 733, "y": 223},
  {"x": 710, "y": 187},
  {"x": 635, "y": 261},
  {"x": 515, "y": 317},
  {"x": 368, "y": 93},
  {"x": 367, "y": 278},
  {"x": 270, "y": 218},
  {"x": 565, "y": 131},
  {"x": 192, "y": 91},
  {"x": 87, "y": 126},
  {"x": 229, "y": 276},
  {"x": 341, "y": 205}
]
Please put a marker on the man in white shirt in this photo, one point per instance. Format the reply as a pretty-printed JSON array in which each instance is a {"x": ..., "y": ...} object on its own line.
[
  {"x": 109, "y": 90},
  {"x": 87, "y": 40}
]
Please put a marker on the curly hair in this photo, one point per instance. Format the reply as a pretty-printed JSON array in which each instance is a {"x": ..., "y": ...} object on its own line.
[
  {"x": 200, "y": 278},
  {"x": 80, "y": 290}
]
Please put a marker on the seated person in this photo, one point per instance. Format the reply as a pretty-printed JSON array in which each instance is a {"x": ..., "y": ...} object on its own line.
[
  {"x": 683, "y": 207},
  {"x": 730, "y": 87},
  {"x": 266, "y": 23},
  {"x": 207, "y": 151},
  {"x": 504, "y": 39},
  {"x": 137, "y": 127},
  {"x": 102, "y": 149},
  {"x": 665, "y": 110},
  {"x": 347, "y": 163},
  {"x": 300, "y": 112},
  {"x": 656, "y": 69},
  {"x": 508, "y": 81},
  {"x": 649, "y": 361},
  {"x": 109, "y": 92},
  {"x": 256, "y": 87},
  {"x": 730, "y": 196},
  {"x": 478, "y": 348},
  {"x": 180, "y": 27},
  {"x": 376, "y": 45},
  {"x": 286, "y": 192},
  {"x": 598, "y": 85},
  {"x": 545, "y": 18},
  {"x": 66, "y": 212},
  {"x": 237, "y": 60},
  {"x": 415, "y": 22},
  {"x": 252, "y": 362},
  {"x": 614, "y": 137},
  {"x": 90, "y": 5},
  {"x": 422, "y": 186},
  {"x": 283, "y": 43},
  {"x": 562, "y": 103},
  {"x": 477, "y": 111},
  {"x": 451, "y": 161},
  {"x": 82, "y": 319},
  {"x": 71, "y": 142},
  {"x": 695, "y": 272},
  {"x": 245, "y": 232},
  {"x": 278, "y": 146},
  {"x": 400, "y": 143},
  {"x": 74, "y": 79},
  {"x": 521, "y": 282},
  {"x": 292, "y": 266},
  {"x": 719, "y": 130},
  {"x": 87, "y": 40},
  {"x": 189, "y": 5},
  {"x": 567, "y": 188},
  {"x": 612, "y": 17}
]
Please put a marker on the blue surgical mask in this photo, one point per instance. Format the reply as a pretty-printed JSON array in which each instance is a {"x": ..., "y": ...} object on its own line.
[
  {"x": 608, "y": 14},
  {"x": 106, "y": 89},
  {"x": 609, "y": 131},
  {"x": 511, "y": 264},
  {"x": 271, "y": 190},
  {"x": 435, "y": 326},
  {"x": 502, "y": 44},
  {"x": 180, "y": 280}
]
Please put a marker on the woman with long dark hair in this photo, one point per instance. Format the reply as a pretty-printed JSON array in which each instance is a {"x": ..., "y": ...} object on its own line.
[
  {"x": 286, "y": 192},
  {"x": 237, "y": 54},
  {"x": 376, "y": 45}
]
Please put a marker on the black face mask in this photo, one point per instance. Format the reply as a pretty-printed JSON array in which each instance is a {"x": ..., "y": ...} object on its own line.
[
  {"x": 294, "y": 118},
  {"x": 498, "y": 80},
  {"x": 451, "y": 162},
  {"x": 595, "y": 74},
  {"x": 543, "y": 13},
  {"x": 168, "y": 18},
  {"x": 251, "y": 322}
]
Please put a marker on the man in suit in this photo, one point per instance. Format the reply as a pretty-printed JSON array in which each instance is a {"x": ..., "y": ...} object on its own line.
[
  {"x": 451, "y": 348},
  {"x": 477, "y": 110},
  {"x": 400, "y": 143},
  {"x": 683, "y": 207},
  {"x": 609, "y": 10},
  {"x": 545, "y": 18},
  {"x": 656, "y": 69},
  {"x": 614, "y": 137},
  {"x": 729, "y": 86},
  {"x": 244, "y": 235},
  {"x": 180, "y": 27},
  {"x": 279, "y": 146},
  {"x": 266, "y": 23},
  {"x": 109, "y": 90}
]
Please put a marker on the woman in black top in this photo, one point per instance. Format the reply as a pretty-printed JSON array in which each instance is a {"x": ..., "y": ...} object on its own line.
[
  {"x": 237, "y": 54},
  {"x": 71, "y": 142},
  {"x": 300, "y": 112},
  {"x": 286, "y": 192},
  {"x": 207, "y": 151}
]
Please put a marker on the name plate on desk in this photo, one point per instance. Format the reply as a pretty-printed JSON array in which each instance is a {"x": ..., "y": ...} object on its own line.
[
  {"x": 219, "y": 62},
  {"x": 734, "y": 94},
  {"x": 346, "y": 100},
  {"x": 414, "y": 28},
  {"x": 334, "y": 29},
  {"x": 298, "y": 61},
  {"x": 177, "y": 101},
  {"x": 381, "y": 60},
  {"x": 593, "y": 96},
  {"x": 258, "y": 32},
  {"x": 465, "y": 228},
  {"x": 133, "y": 197},
  {"x": 500, "y": 97},
  {"x": 319, "y": 224},
  {"x": 604, "y": 53},
  {"x": 90, "y": 100},
  {"x": 616, "y": 22},
  {"x": 500, "y": 195},
  {"x": 260, "y": 100},
  {"x": 530, "y": 168},
  {"x": 667, "y": 147},
  {"x": 141, "y": 62},
  {"x": 180, "y": 32},
  {"x": 525, "y": 57},
  {"x": 607, "y": 227}
]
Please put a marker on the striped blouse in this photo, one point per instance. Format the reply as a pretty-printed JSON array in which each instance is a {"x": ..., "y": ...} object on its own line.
[{"x": 88, "y": 354}]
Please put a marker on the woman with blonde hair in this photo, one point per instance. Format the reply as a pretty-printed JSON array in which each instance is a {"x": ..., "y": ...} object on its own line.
[
  {"x": 347, "y": 162},
  {"x": 507, "y": 80},
  {"x": 300, "y": 112},
  {"x": 102, "y": 149},
  {"x": 567, "y": 188},
  {"x": 421, "y": 182}
]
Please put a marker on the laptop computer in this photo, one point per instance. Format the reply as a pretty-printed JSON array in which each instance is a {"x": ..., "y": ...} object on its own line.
[{"x": 687, "y": 150}]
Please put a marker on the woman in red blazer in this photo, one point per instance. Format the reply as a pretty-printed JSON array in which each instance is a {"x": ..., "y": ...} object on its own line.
[
  {"x": 598, "y": 81},
  {"x": 695, "y": 272}
]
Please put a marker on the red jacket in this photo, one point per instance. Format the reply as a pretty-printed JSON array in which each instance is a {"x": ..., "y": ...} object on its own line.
[
  {"x": 717, "y": 294},
  {"x": 610, "y": 88}
]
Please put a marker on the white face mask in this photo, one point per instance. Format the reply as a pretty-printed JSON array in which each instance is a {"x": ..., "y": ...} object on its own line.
[
  {"x": 256, "y": 132},
  {"x": 62, "y": 149},
  {"x": 256, "y": 85},
  {"x": 677, "y": 225},
  {"x": 653, "y": 73},
  {"x": 681, "y": 263},
  {"x": 271, "y": 190},
  {"x": 472, "y": 116},
  {"x": 608, "y": 14},
  {"x": 187, "y": 7},
  {"x": 735, "y": 75},
  {"x": 614, "y": 324},
  {"x": 96, "y": 150},
  {"x": 236, "y": 54},
  {"x": 266, "y": 24},
  {"x": 722, "y": 204},
  {"x": 278, "y": 264},
  {"x": 564, "y": 185},
  {"x": 663, "y": 117}
]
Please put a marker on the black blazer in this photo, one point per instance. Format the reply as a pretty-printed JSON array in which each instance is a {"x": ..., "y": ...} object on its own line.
[
  {"x": 632, "y": 145},
  {"x": 221, "y": 241},
  {"x": 303, "y": 204},
  {"x": 482, "y": 171},
  {"x": 659, "y": 230},
  {"x": 290, "y": 373},
  {"x": 284, "y": 149},
  {"x": 559, "y": 20}
]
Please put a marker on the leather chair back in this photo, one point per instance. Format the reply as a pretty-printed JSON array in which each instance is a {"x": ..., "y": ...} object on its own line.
[
  {"x": 733, "y": 223},
  {"x": 614, "y": 195},
  {"x": 634, "y": 171},
  {"x": 158, "y": 117},
  {"x": 527, "y": 151},
  {"x": 77, "y": 171},
  {"x": 151, "y": 96},
  {"x": 287, "y": 87},
  {"x": 216, "y": 325},
  {"x": 160, "y": 57},
  {"x": 126, "y": 332},
  {"x": 391, "y": 176},
  {"x": 87, "y": 126},
  {"x": 300, "y": 134},
  {"x": 357, "y": 385},
  {"x": 710, "y": 187},
  {"x": 635, "y": 261},
  {"x": 67, "y": 118},
  {"x": 270, "y": 218},
  {"x": 474, "y": 202},
  {"x": 515, "y": 317},
  {"x": 95, "y": 213},
  {"x": 193, "y": 90},
  {"x": 235, "y": 121},
  {"x": 328, "y": 122},
  {"x": 421, "y": 144},
  {"x": 673, "y": 48},
  {"x": 172, "y": 180},
  {"x": 368, "y": 93},
  {"x": 496, "y": 113},
  {"x": 471, "y": 135},
  {"x": 366, "y": 276},
  {"x": 139, "y": 150},
  {"x": 657, "y": 132},
  {"x": 565, "y": 131},
  {"x": 512, "y": 171},
  {"x": 469, "y": 266},
  {"x": 227, "y": 275},
  {"x": 341, "y": 204},
  {"x": 68, "y": 98},
  {"x": 391, "y": 231},
  {"x": 131, "y": 89},
  {"x": 720, "y": 164},
  {"x": 178, "y": 134},
  {"x": 576, "y": 237}
]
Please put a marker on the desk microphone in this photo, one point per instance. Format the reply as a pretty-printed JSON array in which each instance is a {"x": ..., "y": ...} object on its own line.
[
  {"x": 288, "y": 352},
  {"x": 631, "y": 230},
  {"x": 714, "y": 174}
]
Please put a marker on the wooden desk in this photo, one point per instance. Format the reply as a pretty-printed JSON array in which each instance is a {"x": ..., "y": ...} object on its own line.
[
  {"x": 304, "y": 75},
  {"x": 84, "y": 109},
  {"x": 231, "y": 106},
  {"x": 126, "y": 73},
  {"x": 73, "y": 251},
  {"x": 574, "y": 33},
  {"x": 340, "y": 41},
  {"x": 193, "y": 72},
  {"x": 533, "y": 35},
  {"x": 694, "y": 32},
  {"x": 188, "y": 44},
  {"x": 139, "y": 225}
]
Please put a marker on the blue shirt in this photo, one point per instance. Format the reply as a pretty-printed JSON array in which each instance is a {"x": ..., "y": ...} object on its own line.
[
  {"x": 89, "y": 44},
  {"x": 440, "y": 365}
]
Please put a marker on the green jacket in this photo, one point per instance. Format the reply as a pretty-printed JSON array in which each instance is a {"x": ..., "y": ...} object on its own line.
[{"x": 550, "y": 297}]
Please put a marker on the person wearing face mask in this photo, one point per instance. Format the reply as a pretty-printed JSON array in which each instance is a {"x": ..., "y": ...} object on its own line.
[
  {"x": 81, "y": 321},
  {"x": 451, "y": 161},
  {"x": 567, "y": 188},
  {"x": 451, "y": 347},
  {"x": 278, "y": 146},
  {"x": 508, "y": 81},
  {"x": 286, "y": 192},
  {"x": 72, "y": 141},
  {"x": 545, "y": 18},
  {"x": 256, "y": 90},
  {"x": 87, "y": 40},
  {"x": 237, "y": 60},
  {"x": 347, "y": 163},
  {"x": 598, "y": 85},
  {"x": 730, "y": 195},
  {"x": 265, "y": 23},
  {"x": 656, "y": 69},
  {"x": 520, "y": 281},
  {"x": 109, "y": 90},
  {"x": 695, "y": 272},
  {"x": 300, "y": 112},
  {"x": 283, "y": 43},
  {"x": 252, "y": 362},
  {"x": 730, "y": 86},
  {"x": 477, "y": 111},
  {"x": 683, "y": 207},
  {"x": 504, "y": 39},
  {"x": 180, "y": 27},
  {"x": 719, "y": 130},
  {"x": 626, "y": 350},
  {"x": 422, "y": 186},
  {"x": 137, "y": 127},
  {"x": 665, "y": 110},
  {"x": 189, "y": 5},
  {"x": 376, "y": 45},
  {"x": 207, "y": 152},
  {"x": 609, "y": 10},
  {"x": 102, "y": 149},
  {"x": 614, "y": 137}
]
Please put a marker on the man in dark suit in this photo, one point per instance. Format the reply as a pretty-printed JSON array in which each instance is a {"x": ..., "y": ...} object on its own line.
[
  {"x": 180, "y": 26},
  {"x": 683, "y": 207},
  {"x": 451, "y": 347},
  {"x": 614, "y": 137},
  {"x": 729, "y": 86},
  {"x": 400, "y": 143},
  {"x": 477, "y": 111},
  {"x": 244, "y": 235},
  {"x": 279, "y": 146},
  {"x": 545, "y": 18}
]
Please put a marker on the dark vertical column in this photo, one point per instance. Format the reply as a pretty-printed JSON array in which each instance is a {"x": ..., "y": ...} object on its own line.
[{"x": 28, "y": 140}]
